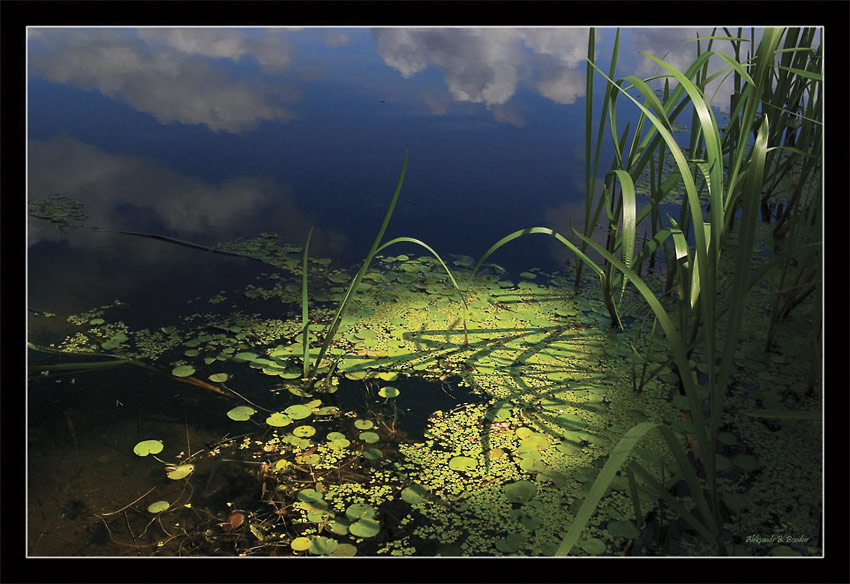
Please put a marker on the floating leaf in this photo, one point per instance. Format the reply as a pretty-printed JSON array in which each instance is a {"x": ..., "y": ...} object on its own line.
[
  {"x": 183, "y": 371},
  {"x": 175, "y": 473},
  {"x": 278, "y": 419},
  {"x": 593, "y": 546},
  {"x": 365, "y": 527},
  {"x": 241, "y": 413},
  {"x": 345, "y": 550},
  {"x": 414, "y": 494},
  {"x": 369, "y": 437},
  {"x": 363, "y": 424},
  {"x": 301, "y": 544},
  {"x": 304, "y": 431},
  {"x": 357, "y": 511},
  {"x": 322, "y": 545},
  {"x": 372, "y": 454},
  {"x": 519, "y": 491},
  {"x": 218, "y": 377},
  {"x": 309, "y": 495},
  {"x": 298, "y": 411},
  {"x": 158, "y": 506},
  {"x": 146, "y": 447},
  {"x": 462, "y": 463},
  {"x": 388, "y": 375},
  {"x": 388, "y": 392}
]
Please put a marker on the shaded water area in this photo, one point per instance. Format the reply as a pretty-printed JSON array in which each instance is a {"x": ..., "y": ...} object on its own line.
[{"x": 445, "y": 406}]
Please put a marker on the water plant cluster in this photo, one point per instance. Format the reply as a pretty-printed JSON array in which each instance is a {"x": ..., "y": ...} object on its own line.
[{"x": 649, "y": 411}]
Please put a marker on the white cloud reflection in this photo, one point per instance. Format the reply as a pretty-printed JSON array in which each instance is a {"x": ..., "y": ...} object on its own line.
[
  {"x": 108, "y": 184},
  {"x": 169, "y": 73},
  {"x": 671, "y": 45},
  {"x": 488, "y": 65}
]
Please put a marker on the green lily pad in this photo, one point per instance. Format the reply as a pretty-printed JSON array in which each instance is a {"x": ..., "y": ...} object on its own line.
[
  {"x": 298, "y": 411},
  {"x": 363, "y": 424},
  {"x": 498, "y": 412},
  {"x": 365, "y": 527},
  {"x": 519, "y": 491},
  {"x": 304, "y": 431},
  {"x": 345, "y": 550},
  {"x": 414, "y": 494},
  {"x": 241, "y": 413},
  {"x": 175, "y": 473},
  {"x": 339, "y": 277},
  {"x": 278, "y": 420},
  {"x": 183, "y": 371},
  {"x": 593, "y": 546},
  {"x": 158, "y": 506},
  {"x": 372, "y": 454},
  {"x": 388, "y": 392},
  {"x": 369, "y": 437},
  {"x": 388, "y": 375},
  {"x": 462, "y": 463},
  {"x": 323, "y": 546},
  {"x": 309, "y": 495},
  {"x": 146, "y": 447},
  {"x": 301, "y": 544},
  {"x": 533, "y": 465},
  {"x": 357, "y": 511},
  {"x": 218, "y": 377}
]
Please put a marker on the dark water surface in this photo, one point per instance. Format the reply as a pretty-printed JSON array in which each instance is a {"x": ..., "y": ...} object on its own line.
[{"x": 214, "y": 135}]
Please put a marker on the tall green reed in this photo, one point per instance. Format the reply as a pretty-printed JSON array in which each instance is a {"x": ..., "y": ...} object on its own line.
[{"x": 727, "y": 170}]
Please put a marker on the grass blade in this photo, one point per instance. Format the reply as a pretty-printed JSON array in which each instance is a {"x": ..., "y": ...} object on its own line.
[
  {"x": 352, "y": 288},
  {"x": 615, "y": 460},
  {"x": 304, "y": 308}
]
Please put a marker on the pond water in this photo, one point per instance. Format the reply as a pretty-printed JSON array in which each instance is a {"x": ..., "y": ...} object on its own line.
[{"x": 164, "y": 137}]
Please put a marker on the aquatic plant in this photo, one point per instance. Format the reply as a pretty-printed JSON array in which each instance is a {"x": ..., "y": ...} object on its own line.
[
  {"x": 376, "y": 248},
  {"x": 702, "y": 299}
]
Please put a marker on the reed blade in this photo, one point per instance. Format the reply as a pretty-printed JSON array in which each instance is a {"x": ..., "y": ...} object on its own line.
[
  {"x": 304, "y": 306},
  {"x": 615, "y": 461}
]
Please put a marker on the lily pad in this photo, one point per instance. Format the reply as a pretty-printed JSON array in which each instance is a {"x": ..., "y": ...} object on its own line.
[
  {"x": 218, "y": 377},
  {"x": 298, "y": 411},
  {"x": 345, "y": 550},
  {"x": 414, "y": 494},
  {"x": 363, "y": 424},
  {"x": 301, "y": 544},
  {"x": 593, "y": 546},
  {"x": 365, "y": 527},
  {"x": 462, "y": 463},
  {"x": 357, "y": 511},
  {"x": 146, "y": 447},
  {"x": 183, "y": 371},
  {"x": 519, "y": 491},
  {"x": 241, "y": 413},
  {"x": 278, "y": 420},
  {"x": 323, "y": 546},
  {"x": 369, "y": 437},
  {"x": 388, "y": 392},
  {"x": 158, "y": 506},
  {"x": 175, "y": 473},
  {"x": 309, "y": 495},
  {"x": 304, "y": 431},
  {"x": 373, "y": 454}
]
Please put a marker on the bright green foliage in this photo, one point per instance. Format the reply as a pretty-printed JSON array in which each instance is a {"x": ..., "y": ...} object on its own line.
[{"x": 146, "y": 447}]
